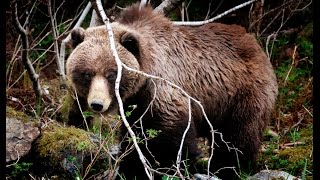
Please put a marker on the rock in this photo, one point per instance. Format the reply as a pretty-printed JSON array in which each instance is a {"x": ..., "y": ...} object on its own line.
[
  {"x": 19, "y": 137},
  {"x": 262, "y": 175},
  {"x": 204, "y": 177},
  {"x": 272, "y": 174}
]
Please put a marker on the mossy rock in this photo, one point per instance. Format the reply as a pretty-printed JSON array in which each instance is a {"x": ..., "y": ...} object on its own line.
[
  {"x": 55, "y": 140},
  {"x": 103, "y": 122},
  {"x": 11, "y": 112}
]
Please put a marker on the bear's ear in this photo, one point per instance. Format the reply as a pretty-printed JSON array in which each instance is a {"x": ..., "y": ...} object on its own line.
[
  {"x": 131, "y": 43},
  {"x": 77, "y": 36}
]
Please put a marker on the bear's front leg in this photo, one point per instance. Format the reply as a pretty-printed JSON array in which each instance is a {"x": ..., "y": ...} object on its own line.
[{"x": 164, "y": 147}]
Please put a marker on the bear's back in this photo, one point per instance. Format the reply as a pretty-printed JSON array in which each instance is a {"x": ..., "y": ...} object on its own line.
[{"x": 212, "y": 60}]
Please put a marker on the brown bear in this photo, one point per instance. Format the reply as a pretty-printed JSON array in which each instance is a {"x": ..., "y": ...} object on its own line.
[{"x": 220, "y": 65}]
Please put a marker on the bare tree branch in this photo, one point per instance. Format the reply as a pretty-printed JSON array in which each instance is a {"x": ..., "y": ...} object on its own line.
[
  {"x": 53, "y": 22},
  {"x": 17, "y": 48},
  {"x": 117, "y": 86},
  {"x": 166, "y": 6},
  {"x": 94, "y": 19},
  {"x": 178, "y": 161},
  {"x": 95, "y": 7},
  {"x": 68, "y": 38},
  {"x": 25, "y": 52},
  {"x": 256, "y": 15},
  {"x": 199, "y": 23},
  {"x": 143, "y": 3}
]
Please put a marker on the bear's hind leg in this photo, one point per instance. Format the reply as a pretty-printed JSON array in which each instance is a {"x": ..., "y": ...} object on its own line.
[{"x": 241, "y": 155}]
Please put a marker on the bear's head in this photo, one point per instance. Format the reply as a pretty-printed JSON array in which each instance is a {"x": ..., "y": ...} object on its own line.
[{"x": 92, "y": 69}]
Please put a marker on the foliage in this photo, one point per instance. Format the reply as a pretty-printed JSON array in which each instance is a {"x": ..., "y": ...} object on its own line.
[
  {"x": 87, "y": 114},
  {"x": 295, "y": 159},
  {"x": 20, "y": 168},
  {"x": 293, "y": 72},
  {"x": 169, "y": 178},
  {"x": 152, "y": 133},
  {"x": 292, "y": 57}
]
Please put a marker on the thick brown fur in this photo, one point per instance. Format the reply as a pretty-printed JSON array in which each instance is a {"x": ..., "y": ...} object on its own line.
[{"x": 220, "y": 65}]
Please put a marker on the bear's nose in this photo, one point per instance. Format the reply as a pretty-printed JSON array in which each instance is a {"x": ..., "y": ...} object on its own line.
[{"x": 96, "y": 106}]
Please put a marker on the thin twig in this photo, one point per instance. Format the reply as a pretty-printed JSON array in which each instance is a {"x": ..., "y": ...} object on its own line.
[
  {"x": 308, "y": 111},
  {"x": 23, "y": 73},
  {"x": 178, "y": 161},
  {"x": 270, "y": 11},
  {"x": 208, "y": 12},
  {"x": 292, "y": 64},
  {"x": 55, "y": 34},
  {"x": 18, "y": 156},
  {"x": 83, "y": 116},
  {"x": 199, "y": 23}
]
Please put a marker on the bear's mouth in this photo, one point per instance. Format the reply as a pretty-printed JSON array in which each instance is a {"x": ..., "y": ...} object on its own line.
[{"x": 99, "y": 105}]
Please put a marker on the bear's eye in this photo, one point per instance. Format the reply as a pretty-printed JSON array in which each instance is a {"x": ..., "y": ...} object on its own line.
[
  {"x": 112, "y": 76},
  {"x": 87, "y": 76}
]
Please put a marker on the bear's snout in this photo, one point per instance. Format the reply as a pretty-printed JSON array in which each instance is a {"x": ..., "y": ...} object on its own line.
[{"x": 99, "y": 98}]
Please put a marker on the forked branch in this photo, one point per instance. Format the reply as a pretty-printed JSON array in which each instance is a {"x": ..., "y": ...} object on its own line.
[{"x": 25, "y": 51}]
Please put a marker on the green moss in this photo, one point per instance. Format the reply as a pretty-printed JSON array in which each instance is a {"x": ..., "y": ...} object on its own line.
[
  {"x": 10, "y": 112},
  {"x": 307, "y": 31},
  {"x": 58, "y": 139},
  {"x": 307, "y": 134},
  {"x": 305, "y": 47},
  {"x": 67, "y": 102},
  {"x": 296, "y": 160},
  {"x": 106, "y": 127}
]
